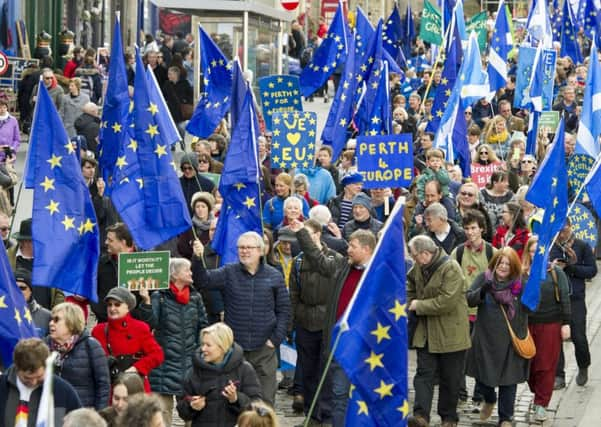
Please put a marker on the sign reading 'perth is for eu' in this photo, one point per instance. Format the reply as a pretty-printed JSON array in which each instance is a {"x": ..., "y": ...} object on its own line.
[
  {"x": 279, "y": 94},
  {"x": 293, "y": 143},
  {"x": 385, "y": 160}
]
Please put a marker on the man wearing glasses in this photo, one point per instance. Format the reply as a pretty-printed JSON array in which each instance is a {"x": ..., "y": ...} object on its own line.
[
  {"x": 54, "y": 89},
  {"x": 257, "y": 305},
  {"x": 191, "y": 180},
  {"x": 5, "y": 231},
  {"x": 513, "y": 123}
]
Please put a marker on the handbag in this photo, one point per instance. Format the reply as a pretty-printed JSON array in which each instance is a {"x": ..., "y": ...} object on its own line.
[{"x": 525, "y": 347}]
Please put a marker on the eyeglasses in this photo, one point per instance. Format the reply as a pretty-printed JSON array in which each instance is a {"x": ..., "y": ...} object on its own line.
[
  {"x": 527, "y": 161},
  {"x": 187, "y": 168},
  {"x": 47, "y": 78},
  {"x": 467, "y": 193},
  {"x": 4, "y": 228},
  {"x": 468, "y": 112},
  {"x": 483, "y": 152},
  {"x": 203, "y": 161},
  {"x": 114, "y": 304},
  {"x": 247, "y": 248},
  {"x": 56, "y": 319}
]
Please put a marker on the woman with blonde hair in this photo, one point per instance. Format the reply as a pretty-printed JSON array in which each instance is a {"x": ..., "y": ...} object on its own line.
[
  {"x": 81, "y": 362},
  {"x": 497, "y": 136},
  {"x": 221, "y": 383},
  {"x": 258, "y": 415},
  {"x": 72, "y": 105}
]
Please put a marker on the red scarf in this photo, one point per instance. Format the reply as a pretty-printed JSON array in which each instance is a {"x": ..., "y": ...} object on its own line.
[{"x": 181, "y": 296}]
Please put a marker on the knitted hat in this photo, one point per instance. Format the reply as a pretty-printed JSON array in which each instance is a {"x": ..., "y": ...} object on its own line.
[
  {"x": 122, "y": 295},
  {"x": 23, "y": 275},
  {"x": 362, "y": 199},
  {"x": 352, "y": 178}
]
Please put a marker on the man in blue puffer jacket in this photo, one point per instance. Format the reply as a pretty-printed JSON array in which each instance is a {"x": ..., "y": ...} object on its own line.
[{"x": 257, "y": 305}]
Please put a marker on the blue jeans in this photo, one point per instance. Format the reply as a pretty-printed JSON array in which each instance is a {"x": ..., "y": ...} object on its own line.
[
  {"x": 340, "y": 385},
  {"x": 506, "y": 399}
]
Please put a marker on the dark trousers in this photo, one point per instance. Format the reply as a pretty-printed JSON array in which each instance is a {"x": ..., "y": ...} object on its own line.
[
  {"x": 476, "y": 394},
  {"x": 506, "y": 399},
  {"x": 578, "y": 333},
  {"x": 311, "y": 361},
  {"x": 265, "y": 362},
  {"x": 547, "y": 337},
  {"x": 449, "y": 367}
]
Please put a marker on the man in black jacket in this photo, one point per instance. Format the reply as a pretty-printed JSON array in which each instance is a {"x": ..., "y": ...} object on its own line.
[
  {"x": 191, "y": 181},
  {"x": 576, "y": 258},
  {"x": 257, "y": 305}
]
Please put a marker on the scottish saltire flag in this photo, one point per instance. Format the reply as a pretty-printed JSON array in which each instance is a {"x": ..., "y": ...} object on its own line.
[
  {"x": 239, "y": 185},
  {"x": 452, "y": 133},
  {"x": 549, "y": 191},
  {"x": 64, "y": 227},
  {"x": 340, "y": 115},
  {"x": 501, "y": 44},
  {"x": 592, "y": 184},
  {"x": 164, "y": 116},
  {"x": 474, "y": 80},
  {"x": 372, "y": 335},
  {"x": 537, "y": 81},
  {"x": 45, "y": 415},
  {"x": 538, "y": 25},
  {"x": 113, "y": 125},
  {"x": 15, "y": 319},
  {"x": 569, "y": 43},
  {"x": 459, "y": 17},
  {"x": 331, "y": 52},
  {"x": 375, "y": 118},
  {"x": 214, "y": 102},
  {"x": 453, "y": 58},
  {"x": 147, "y": 192},
  {"x": 531, "y": 138},
  {"x": 589, "y": 129}
]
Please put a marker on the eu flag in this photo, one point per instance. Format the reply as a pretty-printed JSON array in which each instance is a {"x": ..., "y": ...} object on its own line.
[
  {"x": 408, "y": 31},
  {"x": 15, "y": 318},
  {"x": 239, "y": 185},
  {"x": 331, "y": 52},
  {"x": 214, "y": 103},
  {"x": 369, "y": 77},
  {"x": 569, "y": 44},
  {"x": 589, "y": 129},
  {"x": 593, "y": 185},
  {"x": 453, "y": 58},
  {"x": 374, "y": 119},
  {"x": 164, "y": 116},
  {"x": 590, "y": 19},
  {"x": 549, "y": 191},
  {"x": 500, "y": 46},
  {"x": 113, "y": 126},
  {"x": 393, "y": 33},
  {"x": 64, "y": 226},
  {"x": 147, "y": 193},
  {"x": 340, "y": 116},
  {"x": 372, "y": 335}
]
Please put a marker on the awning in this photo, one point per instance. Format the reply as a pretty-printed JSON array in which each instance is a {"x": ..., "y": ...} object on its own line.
[{"x": 193, "y": 7}]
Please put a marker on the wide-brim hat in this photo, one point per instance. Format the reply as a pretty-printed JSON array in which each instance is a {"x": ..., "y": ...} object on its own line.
[{"x": 24, "y": 230}]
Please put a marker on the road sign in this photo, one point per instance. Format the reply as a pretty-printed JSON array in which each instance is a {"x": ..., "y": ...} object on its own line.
[
  {"x": 3, "y": 63},
  {"x": 289, "y": 4}
]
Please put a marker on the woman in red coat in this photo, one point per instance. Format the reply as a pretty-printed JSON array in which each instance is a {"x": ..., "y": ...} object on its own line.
[
  {"x": 126, "y": 339},
  {"x": 513, "y": 231}
]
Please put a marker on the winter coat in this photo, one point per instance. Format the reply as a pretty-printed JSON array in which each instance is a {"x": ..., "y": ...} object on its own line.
[
  {"x": 65, "y": 399},
  {"x": 257, "y": 306},
  {"x": 209, "y": 380},
  {"x": 91, "y": 82},
  {"x": 455, "y": 237},
  {"x": 88, "y": 126},
  {"x": 41, "y": 317},
  {"x": 442, "y": 320},
  {"x": 492, "y": 359},
  {"x": 585, "y": 267},
  {"x": 321, "y": 183},
  {"x": 71, "y": 109},
  {"x": 107, "y": 280},
  {"x": 129, "y": 336},
  {"x": 9, "y": 134},
  {"x": 420, "y": 208},
  {"x": 518, "y": 240},
  {"x": 310, "y": 287},
  {"x": 86, "y": 368},
  {"x": 177, "y": 330},
  {"x": 353, "y": 225},
  {"x": 549, "y": 309}
]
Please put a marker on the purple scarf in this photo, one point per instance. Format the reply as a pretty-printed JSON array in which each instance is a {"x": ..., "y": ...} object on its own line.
[{"x": 504, "y": 293}]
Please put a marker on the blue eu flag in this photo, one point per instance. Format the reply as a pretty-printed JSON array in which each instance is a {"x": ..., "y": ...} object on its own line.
[
  {"x": 164, "y": 116},
  {"x": 372, "y": 335},
  {"x": 549, "y": 191},
  {"x": 569, "y": 44},
  {"x": 147, "y": 193},
  {"x": 331, "y": 52},
  {"x": 113, "y": 126},
  {"x": 374, "y": 119},
  {"x": 214, "y": 103},
  {"x": 15, "y": 318},
  {"x": 64, "y": 226},
  {"x": 239, "y": 185}
]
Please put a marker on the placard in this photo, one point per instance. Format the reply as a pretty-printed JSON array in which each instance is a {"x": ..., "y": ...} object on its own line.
[
  {"x": 583, "y": 225},
  {"x": 385, "y": 160},
  {"x": 279, "y": 93},
  {"x": 481, "y": 173},
  {"x": 579, "y": 165},
  {"x": 139, "y": 270},
  {"x": 293, "y": 142}
]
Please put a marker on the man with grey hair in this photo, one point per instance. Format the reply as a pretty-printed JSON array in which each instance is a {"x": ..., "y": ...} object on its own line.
[
  {"x": 443, "y": 231},
  {"x": 84, "y": 417},
  {"x": 435, "y": 299},
  {"x": 257, "y": 304},
  {"x": 330, "y": 233}
]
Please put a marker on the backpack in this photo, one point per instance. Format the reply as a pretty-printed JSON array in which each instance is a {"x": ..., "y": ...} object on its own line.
[{"x": 461, "y": 249}]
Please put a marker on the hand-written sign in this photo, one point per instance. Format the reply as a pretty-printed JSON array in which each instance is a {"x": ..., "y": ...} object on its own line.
[
  {"x": 385, "y": 160},
  {"x": 143, "y": 270},
  {"x": 293, "y": 143},
  {"x": 579, "y": 165},
  {"x": 583, "y": 225},
  {"x": 481, "y": 173},
  {"x": 279, "y": 94}
]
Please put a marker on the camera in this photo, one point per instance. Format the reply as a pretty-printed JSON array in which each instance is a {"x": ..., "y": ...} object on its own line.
[{"x": 7, "y": 151}]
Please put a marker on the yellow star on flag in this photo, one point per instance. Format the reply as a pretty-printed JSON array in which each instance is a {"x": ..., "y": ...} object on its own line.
[
  {"x": 381, "y": 332},
  {"x": 116, "y": 127},
  {"x": 2, "y": 303},
  {"x": 88, "y": 226},
  {"x": 17, "y": 316},
  {"x": 68, "y": 222},
  {"x": 404, "y": 409},
  {"x": 70, "y": 147},
  {"x": 133, "y": 145},
  {"x": 362, "y": 407},
  {"x": 153, "y": 108},
  {"x": 384, "y": 389},
  {"x": 152, "y": 130},
  {"x": 52, "y": 207},
  {"x": 239, "y": 186},
  {"x": 27, "y": 316},
  {"x": 541, "y": 250},
  {"x": 48, "y": 184},
  {"x": 140, "y": 182},
  {"x": 55, "y": 161},
  {"x": 374, "y": 360},
  {"x": 399, "y": 310},
  {"x": 121, "y": 162},
  {"x": 161, "y": 150},
  {"x": 249, "y": 202},
  {"x": 555, "y": 201}
]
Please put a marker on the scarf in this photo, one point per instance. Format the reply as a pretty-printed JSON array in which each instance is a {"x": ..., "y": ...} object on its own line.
[
  {"x": 469, "y": 245},
  {"x": 499, "y": 138},
  {"x": 200, "y": 224},
  {"x": 504, "y": 293},
  {"x": 181, "y": 296}
]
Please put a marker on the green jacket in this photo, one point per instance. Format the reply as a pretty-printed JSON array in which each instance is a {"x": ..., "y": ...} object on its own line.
[{"x": 442, "y": 320}]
